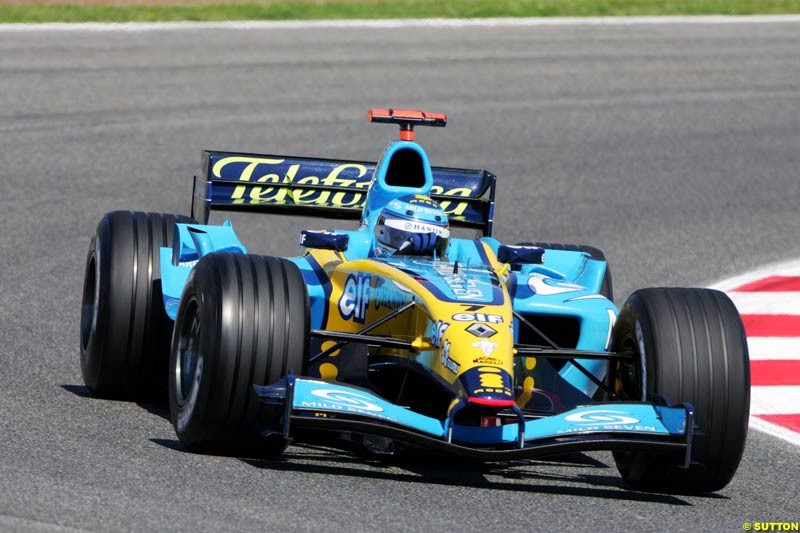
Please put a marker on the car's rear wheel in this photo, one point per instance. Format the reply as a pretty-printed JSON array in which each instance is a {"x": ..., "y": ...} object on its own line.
[
  {"x": 125, "y": 332},
  {"x": 606, "y": 287},
  {"x": 691, "y": 348},
  {"x": 243, "y": 320}
]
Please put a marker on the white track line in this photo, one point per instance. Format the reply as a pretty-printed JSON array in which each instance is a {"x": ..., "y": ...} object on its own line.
[
  {"x": 784, "y": 268},
  {"x": 767, "y": 303},
  {"x": 399, "y": 23},
  {"x": 775, "y": 430},
  {"x": 773, "y": 400},
  {"x": 772, "y": 348}
]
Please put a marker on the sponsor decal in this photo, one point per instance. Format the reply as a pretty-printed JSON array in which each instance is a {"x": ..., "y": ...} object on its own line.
[
  {"x": 355, "y": 297},
  {"x": 304, "y": 236},
  {"x": 601, "y": 416},
  {"x": 286, "y": 188},
  {"x": 481, "y": 330},
  {"x": 448, "y": 363},
  {"x": 188, "y": 264},
  {"x": 477, "y": 317},
  {"x": 278, "y": 181},
  {"x": 428, "y": 207},
  {"x": 487, "y": 347},
  {"x": 541, "y": 284},
  {"x": 463, "y": 286},
  {"x": 483, "y": 360},
  {"x": 345, "y": 400},
  {"x": 418, "y": 227},
  {"x": 493, "y": 381},
  {"x": 605, "y": 420},
  {"x": 439, "y": 327},
  {"x": 388, "y": 295},
  {"x": 329, "y": 240},
  {"x": 423, "y": 200}
]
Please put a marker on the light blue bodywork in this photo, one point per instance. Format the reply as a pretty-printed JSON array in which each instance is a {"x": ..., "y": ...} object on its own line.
[{"x": 191, "y": 242}]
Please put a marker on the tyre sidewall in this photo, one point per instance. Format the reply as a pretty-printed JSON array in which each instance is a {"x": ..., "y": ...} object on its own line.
[
  {"x": 95, "y": 330},
  {"x": 94, "y": 364},
  {"x": 193, "y": 420},
  {"x": 125, "y": 344}
]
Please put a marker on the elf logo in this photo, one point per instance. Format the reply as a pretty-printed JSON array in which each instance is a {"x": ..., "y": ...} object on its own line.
[
  {"x": 439, "y": 327},
  {"x": 355, "y": 297},
  {"x": 478, "y": 317}
]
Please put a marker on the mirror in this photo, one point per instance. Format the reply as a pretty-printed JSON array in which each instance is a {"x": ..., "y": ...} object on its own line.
[
  {"x": 325, "y": 240},
  {"x": 531, "y": 255}
]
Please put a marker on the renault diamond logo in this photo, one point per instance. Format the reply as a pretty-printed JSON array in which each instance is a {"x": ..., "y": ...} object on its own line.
[{"x": 481, "y": 330}]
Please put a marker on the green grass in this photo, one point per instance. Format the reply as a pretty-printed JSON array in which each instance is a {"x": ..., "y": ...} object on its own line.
[{"x": 373, "y": 9}]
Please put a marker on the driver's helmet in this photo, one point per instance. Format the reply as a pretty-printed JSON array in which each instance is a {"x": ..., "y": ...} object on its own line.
[{"x": 411, "y": 225}]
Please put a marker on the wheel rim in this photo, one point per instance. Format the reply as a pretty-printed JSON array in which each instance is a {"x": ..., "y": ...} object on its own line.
[
  {"x": 189, "y": 360},
  {"x": 628, "y": 377},
  {"x": 89, "y": 303}
]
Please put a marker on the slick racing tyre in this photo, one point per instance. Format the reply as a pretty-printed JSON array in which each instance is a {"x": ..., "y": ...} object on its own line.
[
  {"x": 693, "y": 348},
  {"x": 125, "y": 332},
  {"x": 606, "y": 288},
  {"x": 243, "y": 320}
]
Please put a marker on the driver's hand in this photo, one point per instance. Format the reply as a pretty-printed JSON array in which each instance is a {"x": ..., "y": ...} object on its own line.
[{"x": 419, "y": 243}]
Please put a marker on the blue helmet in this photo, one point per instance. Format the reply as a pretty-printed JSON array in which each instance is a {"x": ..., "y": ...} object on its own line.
[{"x": 411, "y": 225}]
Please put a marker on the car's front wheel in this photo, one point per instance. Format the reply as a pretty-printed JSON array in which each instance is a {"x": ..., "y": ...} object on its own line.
[
  {"x": 690, "y": 347},
  {"x": 243, "y": 320}
]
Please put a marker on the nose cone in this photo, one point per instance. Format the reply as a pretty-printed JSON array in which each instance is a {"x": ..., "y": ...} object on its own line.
[
  {"x": 479, "y": 343},
  {"x": 488, "y": 386}
]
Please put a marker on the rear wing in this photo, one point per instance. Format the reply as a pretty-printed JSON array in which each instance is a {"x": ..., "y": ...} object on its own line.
[{"x": 326, "y": 188}]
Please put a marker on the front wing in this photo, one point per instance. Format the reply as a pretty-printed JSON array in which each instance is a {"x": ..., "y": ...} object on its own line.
[{"x": 316, "y": 404}]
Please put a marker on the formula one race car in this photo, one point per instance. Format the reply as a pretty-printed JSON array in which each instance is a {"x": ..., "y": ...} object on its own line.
[{"x": 397, "y": 335}]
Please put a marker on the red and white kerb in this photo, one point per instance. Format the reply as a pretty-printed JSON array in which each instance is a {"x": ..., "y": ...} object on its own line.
[{"x": 769, "y": 302}]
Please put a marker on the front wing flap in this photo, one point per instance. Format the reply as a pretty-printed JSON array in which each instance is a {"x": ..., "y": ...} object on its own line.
[{"x": 317, "y": 404}]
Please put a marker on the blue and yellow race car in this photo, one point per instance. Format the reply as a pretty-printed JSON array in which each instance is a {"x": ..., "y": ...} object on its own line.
[{"x": 399, "y": 335}]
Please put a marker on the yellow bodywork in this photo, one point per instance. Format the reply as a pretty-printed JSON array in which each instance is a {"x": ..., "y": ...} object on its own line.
[{"x": 365, "y": 290}]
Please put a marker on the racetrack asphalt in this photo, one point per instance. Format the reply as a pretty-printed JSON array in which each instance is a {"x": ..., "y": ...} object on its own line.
[{"x": 674, "y": 148}]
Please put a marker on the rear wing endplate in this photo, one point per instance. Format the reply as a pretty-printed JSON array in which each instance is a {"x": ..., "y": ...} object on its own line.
[{"x": 326, "y": 188}]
